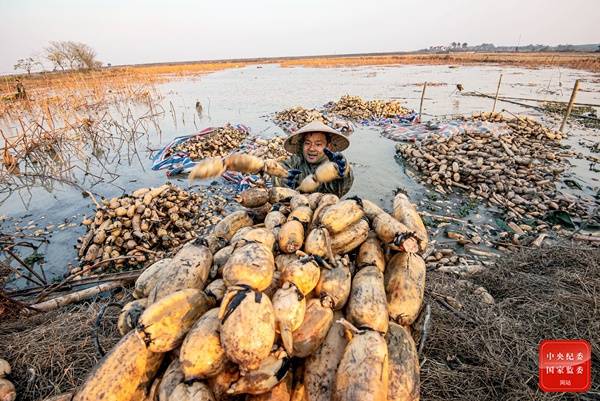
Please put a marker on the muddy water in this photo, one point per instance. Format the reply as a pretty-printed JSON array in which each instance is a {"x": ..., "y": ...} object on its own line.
[{"x": 249, "y": 95}]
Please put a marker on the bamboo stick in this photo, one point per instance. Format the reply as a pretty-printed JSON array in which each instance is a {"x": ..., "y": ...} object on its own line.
[
  {"x": 546, "y": 101},
  {"x": 20, "y": 274},
  {"x": 505, "y": 99},
  {"x": 570, "y": 106},
  {"x": 581, "y": 237},
  {"x": 497, "y": 91},
  {"x": 25, "y": 265},
  {"x": 422, "y": 97},
  {"x": 125, "y": 277}
]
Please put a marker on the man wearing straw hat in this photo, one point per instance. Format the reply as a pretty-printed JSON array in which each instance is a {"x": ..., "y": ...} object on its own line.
[{"x": 310, "y": 146}]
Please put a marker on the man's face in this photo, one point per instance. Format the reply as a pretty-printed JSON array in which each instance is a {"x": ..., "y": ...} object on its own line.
[{"x": 313, "y": 146}]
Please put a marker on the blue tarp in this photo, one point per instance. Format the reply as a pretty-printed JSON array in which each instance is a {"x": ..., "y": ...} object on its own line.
[{"x": 179, "y": 162}]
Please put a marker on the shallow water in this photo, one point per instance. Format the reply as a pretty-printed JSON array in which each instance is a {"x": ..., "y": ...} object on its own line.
[{"x": 249, "y": 95}]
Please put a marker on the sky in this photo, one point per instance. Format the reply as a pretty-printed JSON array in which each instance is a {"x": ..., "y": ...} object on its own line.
[{"x": 132, "y": 32}]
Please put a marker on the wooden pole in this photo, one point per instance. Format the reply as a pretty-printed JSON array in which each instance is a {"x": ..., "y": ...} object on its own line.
[
  {"x": 75, "y": 296},
  {"x": 125, "y": 277},
  {"x": 546, "y": 101},
  {"x": 71, "y": 277},
  {"x": 497, "y": 91},
  {"x": 25, "y": 265},
  {"x": 422, "y": 97},
  {"x": 570, "y": 106}
]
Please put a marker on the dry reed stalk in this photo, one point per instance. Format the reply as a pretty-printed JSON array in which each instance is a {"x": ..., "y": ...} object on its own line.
[
  {"x": 52, "y": 353},
  {"x": 539, "y": 293}
]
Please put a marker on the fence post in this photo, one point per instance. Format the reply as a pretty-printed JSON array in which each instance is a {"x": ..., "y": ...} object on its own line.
[
  {"x": 497, "y": 91},
  {"x": 570, "y": 106},
  {"x": 422, "y": 97}
]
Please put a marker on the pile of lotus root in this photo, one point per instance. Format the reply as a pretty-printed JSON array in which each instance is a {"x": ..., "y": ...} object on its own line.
[
  {"x": 355, "y": 108},
  {"x": 516, "y": 170},
  {"x": 7, "y": 388},
  {"x": 219, "y": 142},
  {"x": 296, "y": 117},
  {"x": 315, "y": 299},
  {"x": 270, "y": 148},
  {"x": 140, "y": 228}
]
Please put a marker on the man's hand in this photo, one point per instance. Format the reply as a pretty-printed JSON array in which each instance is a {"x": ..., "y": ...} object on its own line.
[
  {"x": 293, "y": 177},
  {"x": 338, "y": 159}
]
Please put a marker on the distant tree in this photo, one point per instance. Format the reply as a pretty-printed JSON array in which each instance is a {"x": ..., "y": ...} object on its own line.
[
  {"x": 57, "y": 54},
  {"x": 464, "y": 45},
  {"x": 486, "y": 46},
  {"x": 27, "y": 64},
  {"x": 72, "y": 55},
  {"x": 85, "y": 56}
]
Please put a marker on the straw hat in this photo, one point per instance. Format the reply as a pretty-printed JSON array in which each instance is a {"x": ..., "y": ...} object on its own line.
[{"x": 339, "y": 141}]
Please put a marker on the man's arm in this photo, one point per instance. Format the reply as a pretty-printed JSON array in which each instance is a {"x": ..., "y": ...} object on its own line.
[
  {"x": 341, "y": 186},
  {"x": 290, "y": 163}
]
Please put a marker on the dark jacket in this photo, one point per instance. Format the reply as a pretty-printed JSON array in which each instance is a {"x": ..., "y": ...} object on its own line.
[{"x": 339, "y": 187}]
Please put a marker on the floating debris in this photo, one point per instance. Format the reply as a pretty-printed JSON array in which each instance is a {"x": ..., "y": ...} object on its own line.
[{"x": 585, "y": 115}]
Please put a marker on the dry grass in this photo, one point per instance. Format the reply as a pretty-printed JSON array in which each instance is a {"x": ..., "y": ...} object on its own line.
[
  {"x": 80, "y": 90},
  {"x": 87, "y": 88},
  {"x": 152, "y": 73},
  {"x": 53, "y": 352},
  {"x": 186, "y": 69},
  {"x": 583, "y": 61},
  {"x": 75, "y": 125},
  {"x": 39, "y": 86},
  {"x": 481, "y": 352},
  {"x": 84, "y": 107}
]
